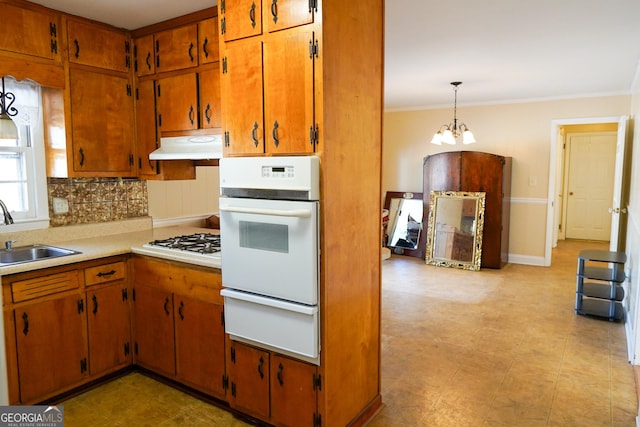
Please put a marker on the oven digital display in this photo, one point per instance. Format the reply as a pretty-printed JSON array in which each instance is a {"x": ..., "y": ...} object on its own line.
[{"x": 278, "y": 171}]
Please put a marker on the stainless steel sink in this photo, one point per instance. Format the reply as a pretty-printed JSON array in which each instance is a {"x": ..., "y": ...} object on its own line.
[{"x": 32, "y": 253}]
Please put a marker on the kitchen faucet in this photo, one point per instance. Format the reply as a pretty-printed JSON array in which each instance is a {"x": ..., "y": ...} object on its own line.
[{"x": 8, "y": 219}]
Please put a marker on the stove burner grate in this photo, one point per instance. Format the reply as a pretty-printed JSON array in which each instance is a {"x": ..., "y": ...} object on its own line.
[{"x": 203, "y": 243}]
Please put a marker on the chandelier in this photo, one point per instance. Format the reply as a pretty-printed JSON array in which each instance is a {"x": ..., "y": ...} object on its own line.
[
  {"x": 8, "y": 129},
  {"x": 449, "y": 133}
]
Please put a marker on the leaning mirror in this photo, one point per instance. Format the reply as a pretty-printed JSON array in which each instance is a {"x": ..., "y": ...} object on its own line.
[
  {"x": 405, "y": 220},
  {"x": 454, "y": 229}
]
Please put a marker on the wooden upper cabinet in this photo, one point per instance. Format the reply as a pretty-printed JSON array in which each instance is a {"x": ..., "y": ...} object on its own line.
[
  {"x": 284, "y": 14},
  {"x": 29, "y": 32},
  {"x": 210, "y": 108},
  {"x": 177, "y": 102},
  {"x": 241, "y": 87},
  {"x": 208, "y": 51},
  {"x": 288, "y": 94},
  {"x": 102, "y": 123},
  {"x": 240, "y": 19},
  {"x": 144, "y": 62},
  {"x": 147, "y": 138},
  {"x": 98, "y": 46},
  {"x": 177, "y": 49}
]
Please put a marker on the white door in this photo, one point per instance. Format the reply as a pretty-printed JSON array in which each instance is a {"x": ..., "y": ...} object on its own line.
[
  {"x": 618, "y": 208},
  {"x": 590, "y": 185}
]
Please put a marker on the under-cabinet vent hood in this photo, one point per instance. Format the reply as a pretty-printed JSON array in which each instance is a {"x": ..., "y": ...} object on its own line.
[{"x": 200, "y": 147}]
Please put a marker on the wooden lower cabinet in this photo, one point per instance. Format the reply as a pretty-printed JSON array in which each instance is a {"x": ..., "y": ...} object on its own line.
[
  {"x": 51, "y": 342},
  {"x": 109, "y": 326},
  {"x": 178, "y": 326},
  {"x": 272, "y": 387},
  {"x": 154, "y": 346},
  {"x": 199, "y": 344},
  {"x": 248, "y": 371},
  {"x": 293, "y": 392}
]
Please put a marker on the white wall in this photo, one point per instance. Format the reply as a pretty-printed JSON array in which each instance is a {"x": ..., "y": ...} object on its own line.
[{"x": 186, "y": 200}]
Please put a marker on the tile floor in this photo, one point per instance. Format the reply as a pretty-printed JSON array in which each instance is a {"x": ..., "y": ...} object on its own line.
[{"x": 459, "y": 348}]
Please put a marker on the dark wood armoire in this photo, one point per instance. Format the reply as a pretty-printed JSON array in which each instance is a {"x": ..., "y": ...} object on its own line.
[{"x": 475, "y": 171}]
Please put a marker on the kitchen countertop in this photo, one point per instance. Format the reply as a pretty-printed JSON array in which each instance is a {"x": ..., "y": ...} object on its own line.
[{"x": 116, "y": 244}]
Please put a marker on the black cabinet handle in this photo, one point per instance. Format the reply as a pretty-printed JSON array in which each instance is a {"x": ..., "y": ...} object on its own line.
[
  {"x": 166, "y": 306},
  {"x": 274, "y": 133},
  {"x": 252, "y": 15},
  {"x": 280, "y": 374},
  {"x": 254, "y": 134},
  {"x": 81, "y": 157},
  {"x": 95, "y": 304},
  {"x": 108, "y": 273},
  {"x": 204, "y": 47},
  {"x": 77, "y": 54},
  {"x": 274, "y": 10},
  {"x": 261, "y": 367},
  {"x": 191, "y": 52},
  {"x": 191, "y": 118},
  {"x": 181, "y": 310},
  {"x": 25, "y": 320},
  {"x": 207, "y": 113},
  {"x": 148, "y": 60}
]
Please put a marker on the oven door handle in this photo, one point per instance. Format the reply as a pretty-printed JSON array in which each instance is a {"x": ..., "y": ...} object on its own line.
[{"x": 297, "y": 213}]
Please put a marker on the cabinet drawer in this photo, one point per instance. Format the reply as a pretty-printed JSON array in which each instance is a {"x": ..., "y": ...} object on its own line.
[
  {"x": 24, "y": 290},
  {"x": 104, "y": 273}
]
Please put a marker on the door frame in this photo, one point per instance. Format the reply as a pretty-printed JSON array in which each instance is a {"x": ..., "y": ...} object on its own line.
[{"x": 555, "y": 165}]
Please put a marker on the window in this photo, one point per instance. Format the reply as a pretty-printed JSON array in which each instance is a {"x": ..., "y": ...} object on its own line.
[{"x": 23, "y": 182}]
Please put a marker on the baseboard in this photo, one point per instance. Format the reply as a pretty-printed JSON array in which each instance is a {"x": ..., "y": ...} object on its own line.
[{"x": 526, "y": 260}]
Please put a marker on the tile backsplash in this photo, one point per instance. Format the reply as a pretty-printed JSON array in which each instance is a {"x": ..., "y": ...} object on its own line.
[{"x": 95, "y": 200}]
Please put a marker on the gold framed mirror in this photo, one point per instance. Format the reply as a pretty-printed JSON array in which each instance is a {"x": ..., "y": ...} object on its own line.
[{"x": 454, "y": 229}]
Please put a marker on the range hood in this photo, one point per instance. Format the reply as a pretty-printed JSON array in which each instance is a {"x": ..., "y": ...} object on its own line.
[{"x": 200, "y": 147}]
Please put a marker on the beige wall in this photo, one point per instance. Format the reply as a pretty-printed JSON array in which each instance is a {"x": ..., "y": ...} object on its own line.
[
  {"x": 185, "y": 200},
  {"x": 521, "y": 131}
]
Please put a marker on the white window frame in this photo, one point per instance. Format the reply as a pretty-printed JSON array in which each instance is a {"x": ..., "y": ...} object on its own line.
[{"x": 29, "y": 121}]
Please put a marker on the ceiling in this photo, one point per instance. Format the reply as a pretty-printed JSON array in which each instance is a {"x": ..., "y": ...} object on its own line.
[{"x": 502, "y": 50}]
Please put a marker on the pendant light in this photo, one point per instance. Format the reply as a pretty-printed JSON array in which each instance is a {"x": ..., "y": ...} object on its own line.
[
  {"x": 8, "y": 129},
  {"x": 448, "y": 133}
]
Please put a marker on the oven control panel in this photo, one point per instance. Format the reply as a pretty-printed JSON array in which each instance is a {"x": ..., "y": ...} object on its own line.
[{"x": 278, "y": 172}]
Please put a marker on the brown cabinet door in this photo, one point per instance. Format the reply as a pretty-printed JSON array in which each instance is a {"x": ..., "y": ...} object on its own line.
[
  {"x": 293, "y": 395},
  {"x": 102, "y": 124},
  {"x": 288, "y": 95},
  {"x": 147, "y": 138},
  {"x": 177, "y": 102},
  {"x": 52, "y": 346},
  {"x": 248, "y": 370},
  {"x": 288, "y": 13},
  {"x": 154, "y": 346},
  {"x": 199, "y": 344},
  {"x": 210, "y": 106},
  {"x": 144, "y": 62},
  {"x": 177, "y": 49},
  {"x": 240, "y": 19},
  {"x": 208, "y": 51},
  {"x": 109, "y": 326},
  {"x": 241, "y": 86},
  {"x": 42, "y": 29},
  {"x": 98, "y": 46}
]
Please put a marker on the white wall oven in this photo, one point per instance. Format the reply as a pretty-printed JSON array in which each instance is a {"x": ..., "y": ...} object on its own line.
[{"x": 269, "y": 216}]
